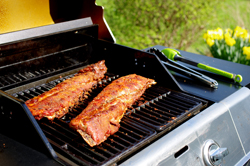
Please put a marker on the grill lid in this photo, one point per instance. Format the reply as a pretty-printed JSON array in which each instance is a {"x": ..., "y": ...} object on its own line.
[{"x": 15, "y": 17}]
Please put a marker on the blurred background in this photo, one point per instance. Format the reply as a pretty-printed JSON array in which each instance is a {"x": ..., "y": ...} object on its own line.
[{"x": 182, "y": 24}]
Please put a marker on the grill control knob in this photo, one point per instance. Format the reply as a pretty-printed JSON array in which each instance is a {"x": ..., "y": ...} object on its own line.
[{"x": 213, "y": 154}]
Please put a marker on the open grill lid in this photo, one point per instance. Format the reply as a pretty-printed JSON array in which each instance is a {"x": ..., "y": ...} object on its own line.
[
  {"x": 26, "y": 14},
  {"x": 70, "y": 47}
]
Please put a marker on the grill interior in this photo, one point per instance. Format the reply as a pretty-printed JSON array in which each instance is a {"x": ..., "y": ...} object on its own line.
[
  {"x": 158, "y": 109},
  {"x": 33, "y": 66}
]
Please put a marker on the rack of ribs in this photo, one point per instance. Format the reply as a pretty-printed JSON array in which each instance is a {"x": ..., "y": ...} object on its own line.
[
  {"x": 56, "y": 102},
  {"x": 101, "y": 117}
]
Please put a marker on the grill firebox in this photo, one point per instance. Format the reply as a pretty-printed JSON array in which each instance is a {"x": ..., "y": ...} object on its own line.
[
  {"x": 161, "y": 108},
  {"x": 158, "y": 109}
]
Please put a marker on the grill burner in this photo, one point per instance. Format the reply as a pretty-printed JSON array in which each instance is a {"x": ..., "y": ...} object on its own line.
[{"x": 158, "y": 109}]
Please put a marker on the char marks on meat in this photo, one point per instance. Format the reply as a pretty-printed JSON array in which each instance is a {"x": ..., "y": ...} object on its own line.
[
  {"x": 101, "y": 117},
  {"x": 56, "y": 102}
]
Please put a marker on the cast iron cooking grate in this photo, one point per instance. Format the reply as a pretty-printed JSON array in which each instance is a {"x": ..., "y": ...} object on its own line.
[
  {"x": 167, "y": 108},
  {"x": 10, "y": 79},
  {"x": 158, "y": 109},
  {"x": 69, "y": 143}
]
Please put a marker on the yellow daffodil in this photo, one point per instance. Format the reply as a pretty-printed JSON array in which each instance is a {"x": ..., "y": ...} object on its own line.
[
  {"x": 237, "y": 39},
  {"x": 244, "y": 34},
  {"x": 241, "y": 33},
  {"x": 210, "y": 42},
  {"x": 227, "y": 35},
  {"x": 246, "y": 51},
  {"x": 229, "y": 31},
  {"x": 205, "y": 36},
  {"x": 209, "y": 34},
  {"x": 219, "y": 33},
  {"x": 214, "y": 34},
  {"x": 230, "y": 41}
]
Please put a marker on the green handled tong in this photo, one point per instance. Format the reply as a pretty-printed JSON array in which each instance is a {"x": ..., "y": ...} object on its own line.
[
  {"x": 177, "y": 67},
  {"x": 175, "y": 55}
]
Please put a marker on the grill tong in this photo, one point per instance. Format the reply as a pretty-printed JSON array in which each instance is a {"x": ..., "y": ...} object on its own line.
[{"x": 183, "y": 69}]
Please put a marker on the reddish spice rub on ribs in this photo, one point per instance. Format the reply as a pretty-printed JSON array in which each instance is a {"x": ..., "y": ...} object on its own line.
[
  {"x": 56, "y": 102},
  {"x": 101, "y": 117}
]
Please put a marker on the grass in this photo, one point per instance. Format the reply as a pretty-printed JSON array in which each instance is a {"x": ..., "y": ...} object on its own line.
[{"x": 230, "y": 13}]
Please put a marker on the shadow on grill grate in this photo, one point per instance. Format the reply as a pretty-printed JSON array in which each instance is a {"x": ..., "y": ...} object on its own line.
[{"x": 157, "y": 109}]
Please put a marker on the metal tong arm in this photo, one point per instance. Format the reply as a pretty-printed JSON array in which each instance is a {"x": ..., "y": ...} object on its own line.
[
  {"x": 183, "y": 69},
  {"x": 193, "y": 74}
]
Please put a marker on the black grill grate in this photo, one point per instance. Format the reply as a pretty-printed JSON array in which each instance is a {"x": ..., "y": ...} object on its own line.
[
  {"x": 157, "y": 110},
  {"x": 71, "y": 145},
  {"x": 10, "y": 80},
  {"x": 166, "y": 108}
]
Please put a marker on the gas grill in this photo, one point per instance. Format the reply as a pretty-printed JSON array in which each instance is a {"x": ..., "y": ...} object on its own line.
[
  {"x": 178, "y": 121},
  {"x": 159, "y": 110}
]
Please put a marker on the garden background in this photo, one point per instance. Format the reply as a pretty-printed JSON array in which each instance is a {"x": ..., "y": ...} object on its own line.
[{"x": 177, "y": 24}]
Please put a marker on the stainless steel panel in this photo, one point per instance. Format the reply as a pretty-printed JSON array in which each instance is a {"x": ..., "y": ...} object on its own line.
[
  {"x": 44, "y": 30},
  {"x": 219, "y": 127},
  {"x": 244, "y": 160},
  {"x": 239, "y": 108},
  {"x": 190, "y": 158}
]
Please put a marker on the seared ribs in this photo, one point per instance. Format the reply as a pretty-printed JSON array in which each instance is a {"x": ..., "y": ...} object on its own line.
[
  {"x": 56, "y": 102},
  {"x": 101, "y": 117}
]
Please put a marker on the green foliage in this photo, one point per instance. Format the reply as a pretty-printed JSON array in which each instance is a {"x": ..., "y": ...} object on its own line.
[{"x": 144, "y": 23}]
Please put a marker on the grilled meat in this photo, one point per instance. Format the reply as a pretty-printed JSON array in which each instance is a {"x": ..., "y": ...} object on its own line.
[
  {"x": 56, "y": 102},
  {"x": 101, "y": 117}
]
